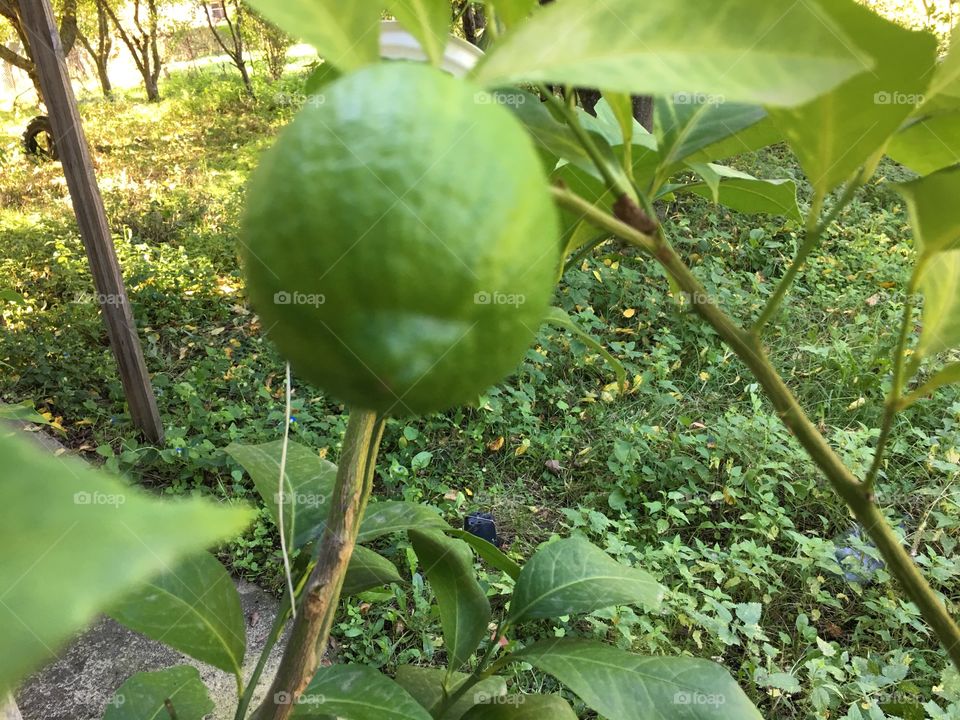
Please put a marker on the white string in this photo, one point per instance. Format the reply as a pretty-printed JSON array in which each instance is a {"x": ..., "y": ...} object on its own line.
[{"x": 283, "y": 476}]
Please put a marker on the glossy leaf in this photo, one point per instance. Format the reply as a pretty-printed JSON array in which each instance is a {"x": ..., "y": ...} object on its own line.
[
  {"x": 426, "y": 685},
  {"x": 572, "y": 576},
  {"x": 773, "y": 52},
  {"x": 389, "y": 516},
  {"x": 489, "y": 552},
  {"x": 367, "y": 570},
  {"x": 194, "y": 607},
  {"x": 931, "y": 201},
  {"x": 523, "y": 707},
  {"x": 357, "y": 692},
  {"x": 939, "y": 282},
  {"x": 620, "y": 106},
  {"x": 710, "y": 177},
  {"x": 151, "y": 696},
  {"x": 344, "y": 34},
  {"x": 309, "y": 482},
  {"x": 464, "y": 608},
  {"x": 746, "y": 194},
  {"x": 753, "y": 137},
  {"x": 686, "y": 123},
  {"x": 622, "y": 686},
  {"x": 75, "y": 540},
  {"x": 553, "y": 138},
  {"x": 834, "y": 135},
  {"x": 427, "y": 20}
]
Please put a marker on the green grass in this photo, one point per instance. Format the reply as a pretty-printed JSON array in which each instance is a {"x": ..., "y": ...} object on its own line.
[{"x": 689, "y": 475}]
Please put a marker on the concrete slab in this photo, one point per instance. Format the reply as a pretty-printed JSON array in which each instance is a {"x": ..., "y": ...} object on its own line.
[{"x": 78, "y": 684}]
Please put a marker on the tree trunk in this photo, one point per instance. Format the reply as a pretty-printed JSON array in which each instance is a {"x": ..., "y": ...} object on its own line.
[
  {"x": 100, "y": 54},
  {"x": 150, "y": 85},
  {"x": 473, "y": 24},
  {"x": 643, "y": 110}
]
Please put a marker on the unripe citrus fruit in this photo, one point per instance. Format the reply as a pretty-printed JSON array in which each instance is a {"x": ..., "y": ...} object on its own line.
[{"x": 400, "y": 242}]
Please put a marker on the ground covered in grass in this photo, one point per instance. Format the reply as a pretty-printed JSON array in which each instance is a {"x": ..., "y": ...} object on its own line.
[{"x": 689, "y": 474}]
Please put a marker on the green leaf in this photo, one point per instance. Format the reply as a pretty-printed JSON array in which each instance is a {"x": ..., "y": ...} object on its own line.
[
  {"x": 620, "y": 106},
  {"x": 322, "y": 75},
  {"x": 834, "y": 135},
  {"x": 464, "y": 608},
  {"x": 944, "y": 90},
  {"x": 428, "y": 21},
  {"x": 489, "y": 552},
  {"x": 710, "y": 177},
  {"x": 513, "y": 12},
  {"x": 928, "y": 145},
  {"x": 22, "y": 412},
  {"x": 587, "y": 186},
  {"x": 559, "y": 318},
  {"x": 149, "y": 695},
  {"x": 761, "y": 134},
  {"x": 357, "y": 692},
  {"x": 75, "y": 540},
  {"x": 572, "y": 576},
  {"x": 347, "y": 35},
  {"x": 523, "y": 707},
  {"x": 946, "y": 376},
  {"x": 935, "y": 222},
  {"x": 747, "y": 194},
  {"x": 622, "y": 686},
  {"x": 389, "y": 516},
  {"x": 194, "y": 607},
  {"x": 686, "y": 123},
  {"x": 427, "y": 684},
  {"x": 308, "y": 483},
  {"x": 367, "y": 570},
  {"x": 939, "y": 281},
  {"x": 771, "y": 52},
  {"x": 553, "y": 139}
]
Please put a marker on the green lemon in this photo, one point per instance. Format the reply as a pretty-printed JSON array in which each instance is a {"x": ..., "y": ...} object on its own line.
[{"x": 400, "y": 242}]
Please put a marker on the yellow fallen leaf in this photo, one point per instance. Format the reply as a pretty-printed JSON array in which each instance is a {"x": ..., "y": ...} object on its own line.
[{"x": 495, "y": 445}]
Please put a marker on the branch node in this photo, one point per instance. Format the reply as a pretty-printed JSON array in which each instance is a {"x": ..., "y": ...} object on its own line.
[{"x": 633, "y": 215}]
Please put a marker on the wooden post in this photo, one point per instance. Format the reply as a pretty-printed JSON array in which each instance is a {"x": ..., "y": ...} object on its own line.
[{"x": 72, "y": 147}]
